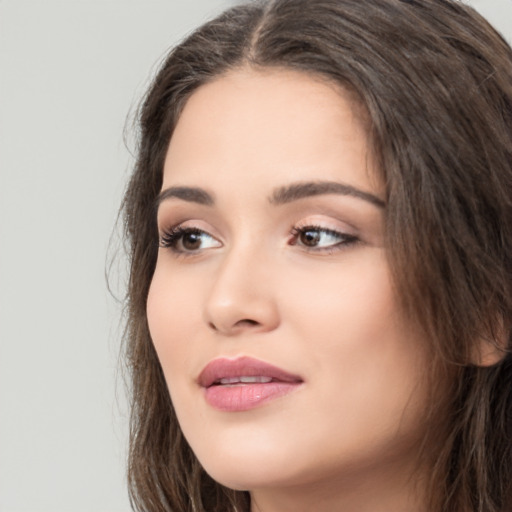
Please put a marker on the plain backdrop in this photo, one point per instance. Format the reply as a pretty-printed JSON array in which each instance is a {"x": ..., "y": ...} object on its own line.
[{"x": 70, "y": 73}]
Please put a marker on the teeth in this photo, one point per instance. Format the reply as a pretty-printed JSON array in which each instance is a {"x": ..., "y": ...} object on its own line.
[
  {"x": 245, "y": 380},
  {"x": 255, "y": 379},
  {"x": 230, "y": 380}
]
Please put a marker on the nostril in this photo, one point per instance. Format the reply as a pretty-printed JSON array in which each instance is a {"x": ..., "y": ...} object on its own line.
[{"x": 246, "y": 322}]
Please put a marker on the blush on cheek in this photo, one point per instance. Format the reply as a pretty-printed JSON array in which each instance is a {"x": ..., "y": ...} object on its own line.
[
  {"x": 171, "y": 325},
  {"x": 159, "y": 320}
]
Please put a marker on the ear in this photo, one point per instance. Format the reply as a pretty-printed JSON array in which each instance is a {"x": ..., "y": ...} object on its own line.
[{"x": 488, "y": 352}]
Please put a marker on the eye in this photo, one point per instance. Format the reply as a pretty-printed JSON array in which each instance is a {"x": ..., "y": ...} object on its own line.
[
  {"x": 319, "y": 238},
  {"x": 188, "y": 240}
]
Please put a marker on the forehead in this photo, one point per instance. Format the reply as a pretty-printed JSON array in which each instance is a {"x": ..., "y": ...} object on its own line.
[{"x": 271, "y": 120}]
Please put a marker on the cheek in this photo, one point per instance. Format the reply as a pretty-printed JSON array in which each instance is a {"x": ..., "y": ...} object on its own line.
[
  {"x": 348, "y": 323},
  {"x": 352, "y": 302},
  {"x": 171, "y": 318}
]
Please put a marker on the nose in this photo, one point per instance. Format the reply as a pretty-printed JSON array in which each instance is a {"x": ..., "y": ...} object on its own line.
[{"x": 242, "y": 297}]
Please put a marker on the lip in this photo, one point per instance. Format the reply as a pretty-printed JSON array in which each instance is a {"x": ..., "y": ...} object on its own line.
[{"x": 232, "y": 395}]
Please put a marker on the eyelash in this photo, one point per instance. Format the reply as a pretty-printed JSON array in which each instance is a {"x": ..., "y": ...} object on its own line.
[
  {"x": 346, "y": 240},
  {"x": 171, "y": 238}
]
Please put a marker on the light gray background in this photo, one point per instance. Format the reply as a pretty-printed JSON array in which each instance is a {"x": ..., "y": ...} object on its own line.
[{"x": 70, "y": 71}]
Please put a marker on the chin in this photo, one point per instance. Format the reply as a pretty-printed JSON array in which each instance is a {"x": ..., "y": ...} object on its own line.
[
  {"x": 245, "y": 479},
  {"x": 246, "y": 469},
  {"x": 241, "y": 472},
  {"x": 239, "y": 477}
]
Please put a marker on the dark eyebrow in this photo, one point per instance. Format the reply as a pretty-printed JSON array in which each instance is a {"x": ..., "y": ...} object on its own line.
[
  {"x": 301, "y": 190},
  {"x": 282, "y": 195},
  {"x": 191, "y": 194}
]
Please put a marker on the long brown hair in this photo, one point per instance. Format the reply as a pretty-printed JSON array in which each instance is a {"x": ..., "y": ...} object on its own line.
[{"x": 436, "y": 82}]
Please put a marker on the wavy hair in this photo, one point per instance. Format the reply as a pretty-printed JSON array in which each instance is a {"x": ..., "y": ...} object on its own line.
[{"x": 436, "y": 82}]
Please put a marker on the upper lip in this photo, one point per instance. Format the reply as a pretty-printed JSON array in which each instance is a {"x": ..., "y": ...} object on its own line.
[{"x": 223, "y": 368}]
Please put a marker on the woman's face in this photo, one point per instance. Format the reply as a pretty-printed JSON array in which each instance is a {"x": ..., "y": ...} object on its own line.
[{"x": 271, "y": 308}]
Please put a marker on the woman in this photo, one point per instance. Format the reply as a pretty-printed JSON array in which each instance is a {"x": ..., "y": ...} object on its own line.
[{"x": 320, "y": 227}]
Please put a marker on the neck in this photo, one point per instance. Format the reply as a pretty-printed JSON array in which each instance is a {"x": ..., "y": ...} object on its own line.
[{"x": 381, "y": 490}]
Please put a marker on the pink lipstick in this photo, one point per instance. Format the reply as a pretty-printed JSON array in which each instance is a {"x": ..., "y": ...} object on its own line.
[{"x": 244, "y": 383}]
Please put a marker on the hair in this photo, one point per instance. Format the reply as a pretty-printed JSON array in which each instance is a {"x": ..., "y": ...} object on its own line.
[{"x": 435, "y": 80}]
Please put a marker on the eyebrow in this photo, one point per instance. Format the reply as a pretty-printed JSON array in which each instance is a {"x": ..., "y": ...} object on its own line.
[
  {"x": 280, "y": 196},
  {"x": 190, "y": 194},
  {"x": 302, "y": 190}
]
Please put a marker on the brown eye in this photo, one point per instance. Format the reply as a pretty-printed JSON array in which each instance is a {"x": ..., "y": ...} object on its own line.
[
  {"x": 188, "y": 240},
  {"x": 191, "y": 241},
  {"x": 310, "y": 237},
  {"x": 320, "y": 239}
]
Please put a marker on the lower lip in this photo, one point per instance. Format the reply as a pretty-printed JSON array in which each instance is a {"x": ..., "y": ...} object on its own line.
[{"x": 243, "y": 397}]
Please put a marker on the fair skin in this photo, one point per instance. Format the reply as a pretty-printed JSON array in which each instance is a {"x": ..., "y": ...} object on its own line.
[{"x": 255, "y": 264}]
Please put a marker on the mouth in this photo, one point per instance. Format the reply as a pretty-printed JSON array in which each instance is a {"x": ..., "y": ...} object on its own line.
[
  {"x": 227, "y": 381},
  {"x": 244, "y": 383}
]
